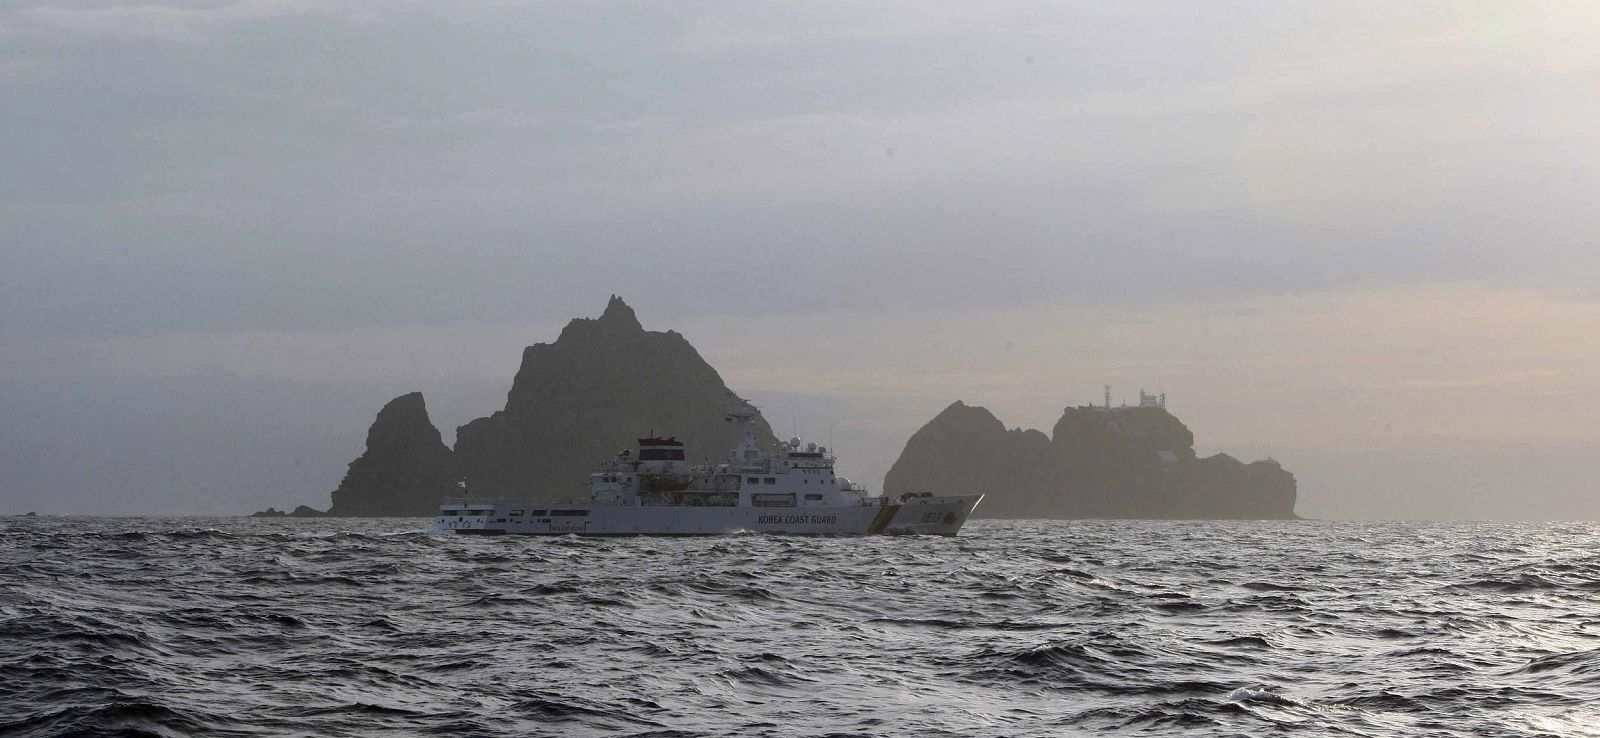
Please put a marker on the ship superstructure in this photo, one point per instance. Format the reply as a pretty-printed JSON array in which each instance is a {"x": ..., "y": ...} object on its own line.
[{"x": 654, "y": 490}]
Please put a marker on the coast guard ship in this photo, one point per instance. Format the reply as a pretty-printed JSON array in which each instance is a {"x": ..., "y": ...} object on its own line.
[{"x": 654, "y": 491}]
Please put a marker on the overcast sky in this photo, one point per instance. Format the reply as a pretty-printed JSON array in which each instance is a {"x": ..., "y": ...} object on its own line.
[{"x": 1361, "y": 237}]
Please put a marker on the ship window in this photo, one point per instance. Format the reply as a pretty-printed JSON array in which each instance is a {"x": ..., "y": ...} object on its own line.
[
  {"x": 536, "y": 513},
  {"x": 813, "y": 497},
  {"x": 448, "y": 513},
  {"x": 569, "y": 513},
  {"x": 516, "y": 513},
  {"x": 753, "y": 480},
  {"x": 771, "y": 500},
  {"x": 771, "y": 480}
]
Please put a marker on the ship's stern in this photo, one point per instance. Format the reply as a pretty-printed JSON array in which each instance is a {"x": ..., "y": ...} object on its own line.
[{"x": 469, "y": 516}]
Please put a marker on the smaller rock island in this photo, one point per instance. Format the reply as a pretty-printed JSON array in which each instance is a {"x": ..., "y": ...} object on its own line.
[
  {"x": 1098, "y": 462},
  {"x": 405, "y": 469},
  {"x": 300, "y": 511}
]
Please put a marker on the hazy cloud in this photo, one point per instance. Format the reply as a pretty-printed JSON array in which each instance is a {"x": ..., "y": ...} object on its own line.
[
  {"x": 184, "y": 23},
  {"x": 257, "y": 183}
]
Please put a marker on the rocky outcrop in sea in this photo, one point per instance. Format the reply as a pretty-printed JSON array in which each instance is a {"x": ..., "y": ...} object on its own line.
[
  {"x": 405, "y": 469},
  {"x": 603, "y": 383},
  {"x": 1128, "y": 462},
  {"x": 300, "y": 511}
]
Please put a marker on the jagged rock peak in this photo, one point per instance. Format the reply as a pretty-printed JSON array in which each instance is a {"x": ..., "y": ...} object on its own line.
[
  {"x": 403, "y": 421},
  {"x": 619, "y": 314},
  {"x": 603, "y": 383},
  {"x": 618, "y": 319}
]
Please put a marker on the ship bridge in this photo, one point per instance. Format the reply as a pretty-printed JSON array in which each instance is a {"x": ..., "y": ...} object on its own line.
[{"x": 660, "y": 449}]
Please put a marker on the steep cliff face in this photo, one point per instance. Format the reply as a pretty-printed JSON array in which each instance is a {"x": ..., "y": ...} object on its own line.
[
  {"x": 1098, "y": 463},
  {"x": 604, "y": 383},
  {"x": 406, "y": 468}
]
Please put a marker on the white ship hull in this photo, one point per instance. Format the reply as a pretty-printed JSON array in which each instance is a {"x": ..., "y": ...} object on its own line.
[
  {"x": 908, "y": 516},
  {"x": 787, "y": 488}
]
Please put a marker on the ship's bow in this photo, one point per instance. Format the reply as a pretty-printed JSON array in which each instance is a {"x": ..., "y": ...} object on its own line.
[{"x": 931, "y": 516}]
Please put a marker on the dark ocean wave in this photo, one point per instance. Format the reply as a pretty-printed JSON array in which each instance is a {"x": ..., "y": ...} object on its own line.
[{"x": 221, "y": 627}]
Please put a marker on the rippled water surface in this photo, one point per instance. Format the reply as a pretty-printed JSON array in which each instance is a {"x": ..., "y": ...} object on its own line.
[{"x": 363, "y": 627}]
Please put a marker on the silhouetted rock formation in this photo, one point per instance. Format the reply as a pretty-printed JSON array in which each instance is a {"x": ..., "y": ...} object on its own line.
[
  {"x": 406, "y": 467},
  {"x": 603, "y": 384},
  {"x": 1130, "y": 462},
  {"x": 300, "y": 511}
]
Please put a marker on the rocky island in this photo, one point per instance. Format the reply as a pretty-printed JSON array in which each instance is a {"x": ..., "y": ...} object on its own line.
[
  {"x": 1098, "y": 462},
  {"x": 602, "y": 384},
  {"x": 300, "y": 511},
  {"x": 605, "y": 382}
]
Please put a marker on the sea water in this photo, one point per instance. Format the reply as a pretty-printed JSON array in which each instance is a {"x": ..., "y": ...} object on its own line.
[{"x": 239, "y": 627}]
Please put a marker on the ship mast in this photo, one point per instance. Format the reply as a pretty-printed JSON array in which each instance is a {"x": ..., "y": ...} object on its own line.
[{"x": 744, "y": 418}]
